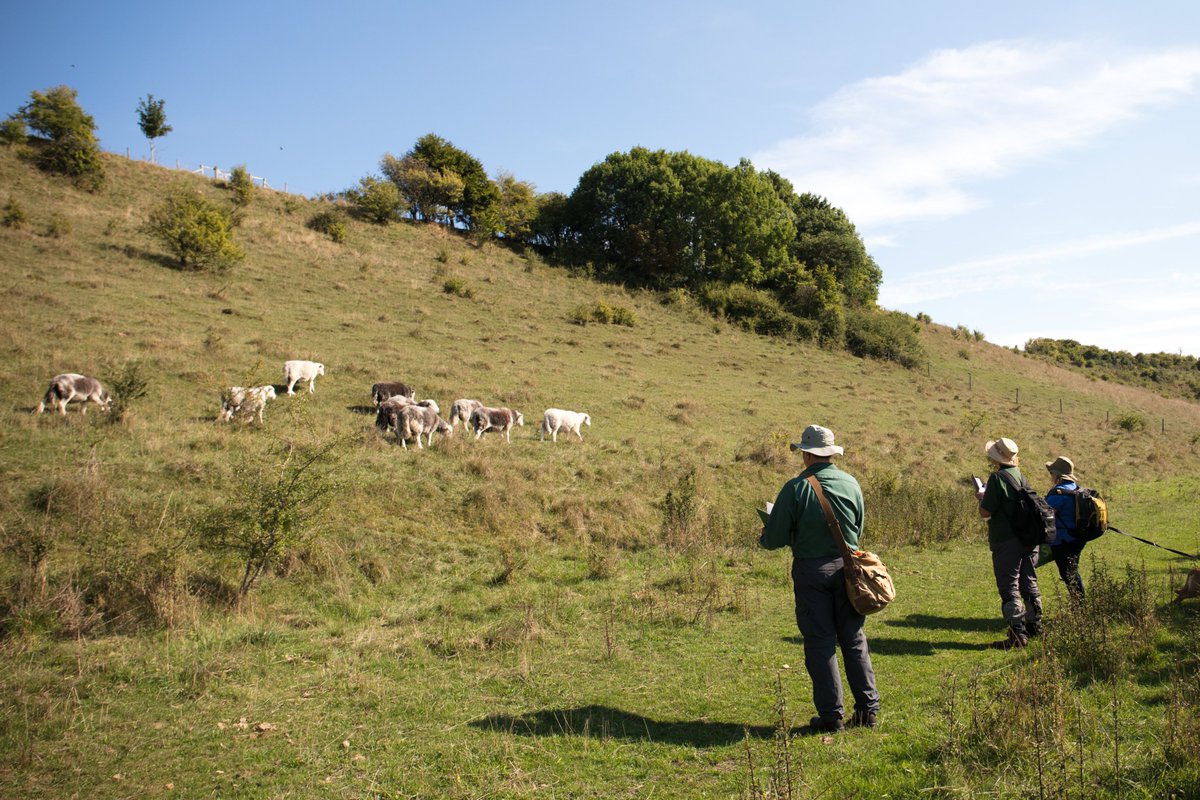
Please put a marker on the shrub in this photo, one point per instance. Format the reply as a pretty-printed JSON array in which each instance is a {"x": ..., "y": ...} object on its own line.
[
  {"x": 376, "y": 200},
  {"x": 271, "y": 510},
  {"x": 58, "y": 226},
  {"x": 13, "y": 131},
  {"x": 242, "y": 186},
  {"x": 604, "y": 314},
  {"x": 458, "y": 288},
  {"x": 14, "y": 215},
  {"x": 908, "y": 510},
  {"x": 197, "y": 232},
  {"x": 68, "y": 134},
  {"x": 888, "y": 335},
  {"x": 126, "y": 387},
  {"x": 329, "y": 223},
  {"x": 1131, "y": 422},
  {"x": 923, "y": 317},
  {"x": 753, "y": 309}
]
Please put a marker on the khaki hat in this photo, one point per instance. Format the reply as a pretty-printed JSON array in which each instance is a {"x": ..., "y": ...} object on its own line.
[
  {"x": 1062, "y": 467},
  {"x": 1002, "y": 451},
  {"x": 818, "y": 441}
]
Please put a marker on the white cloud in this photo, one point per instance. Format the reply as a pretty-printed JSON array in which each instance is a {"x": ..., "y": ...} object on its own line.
[
  {"x": 907, "y": 146},
  {"x": 1027, "y": 266}
]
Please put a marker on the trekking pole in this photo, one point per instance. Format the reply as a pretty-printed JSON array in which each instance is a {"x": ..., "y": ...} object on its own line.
[{"x": 1154, "y": 544}]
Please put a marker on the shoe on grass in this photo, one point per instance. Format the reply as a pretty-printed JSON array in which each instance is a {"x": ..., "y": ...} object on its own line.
[
  {"x": 826, "y": 724},
  {"x": 863, "y": 719}
]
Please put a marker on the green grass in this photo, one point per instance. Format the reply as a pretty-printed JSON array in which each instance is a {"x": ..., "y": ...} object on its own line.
[{"x": 491, "y": 620}]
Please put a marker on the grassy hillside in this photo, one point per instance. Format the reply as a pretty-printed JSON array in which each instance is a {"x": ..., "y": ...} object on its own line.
[{"x": 527, "y": 619}]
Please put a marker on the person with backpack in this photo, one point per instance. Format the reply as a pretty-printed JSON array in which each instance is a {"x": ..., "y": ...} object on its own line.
[
  {"x": 1068, "y": 544},
  {"x": 1014, "y": 562}
]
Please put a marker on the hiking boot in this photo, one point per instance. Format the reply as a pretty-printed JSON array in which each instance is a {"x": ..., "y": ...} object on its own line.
[
  {"x": 1014, "y": 641},
  {"x": 826, "y": 724},
  {"x": 863, "y": 719}
]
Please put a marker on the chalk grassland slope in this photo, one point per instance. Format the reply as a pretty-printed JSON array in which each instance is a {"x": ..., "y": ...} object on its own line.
[{"x": 477, "y": 620}]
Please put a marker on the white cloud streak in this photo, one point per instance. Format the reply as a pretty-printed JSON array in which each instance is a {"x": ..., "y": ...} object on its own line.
[
  {"x": 981, "y": 274},
  {"x": 906, "y": 147}
]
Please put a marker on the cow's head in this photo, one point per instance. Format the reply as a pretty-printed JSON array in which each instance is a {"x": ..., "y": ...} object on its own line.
[
  {"x": 320, "y": 369},
  {"x": 520, "y": 418},
  {"x": 106, "y": 400}
]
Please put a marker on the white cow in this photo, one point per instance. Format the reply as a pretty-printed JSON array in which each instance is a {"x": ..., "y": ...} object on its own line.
[
  {"x": 556, "y": 419},
  {"x": 71, "y": 387},
  {"x": 299, "y": 371},
  {"x": 237, "y": 400}
]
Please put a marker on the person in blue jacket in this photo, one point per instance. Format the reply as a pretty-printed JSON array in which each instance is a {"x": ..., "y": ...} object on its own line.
[{"x": 1066, "y": 548}]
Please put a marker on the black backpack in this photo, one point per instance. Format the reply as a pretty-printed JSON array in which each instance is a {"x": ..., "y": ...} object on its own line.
[
  {"x": 1091, "y": 513},
  {"x": 1032, "y": 518}
]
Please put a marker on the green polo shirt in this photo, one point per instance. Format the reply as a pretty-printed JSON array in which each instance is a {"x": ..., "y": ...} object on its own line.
[
  {"x": 998, "y": 500},
  {"x": 797, "y": 520}
]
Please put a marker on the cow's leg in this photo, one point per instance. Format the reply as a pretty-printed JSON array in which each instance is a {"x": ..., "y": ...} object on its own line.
[
  {"x": 291, "y": 384},
  {"x": 579, "y": 432},
  {"x": 311, "y": 381}
]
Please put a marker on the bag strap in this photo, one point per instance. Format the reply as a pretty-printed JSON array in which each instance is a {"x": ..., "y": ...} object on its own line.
[{"x": 835, "y": 527}]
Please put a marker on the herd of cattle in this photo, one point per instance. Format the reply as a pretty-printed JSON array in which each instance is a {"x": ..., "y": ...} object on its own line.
[{"x": 397, "y": 408}]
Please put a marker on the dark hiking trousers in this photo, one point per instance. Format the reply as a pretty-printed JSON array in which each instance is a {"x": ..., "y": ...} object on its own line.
[
  {"x": 826, "y": 621},
  {"x": 1015, "y": 567},
  {"x": 1066, "y": 558}
]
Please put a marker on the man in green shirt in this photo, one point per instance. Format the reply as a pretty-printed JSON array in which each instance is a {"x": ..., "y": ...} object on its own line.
[{"x": 823, "y": 611}]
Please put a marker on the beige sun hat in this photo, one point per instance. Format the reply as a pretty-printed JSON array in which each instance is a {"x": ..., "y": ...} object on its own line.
[
  {"x": 1003, "y": 451},
  {"x": 1063, "y": 467},
  {"x": 818, "y": 441}
]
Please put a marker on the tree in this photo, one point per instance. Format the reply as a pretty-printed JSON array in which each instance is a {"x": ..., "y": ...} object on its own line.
[
  {"x": 197, "y": 232},
  {"x": 550, "y": 227},
  {"x": 430, "y": 194},
  {"x": 517, "y": 207},
  {"x": 480, "y": 196},
  {"x": 377, "y": 200},
  {"x": 13, "y": 130},
  {"x": 68, "y": 136},
  {"x": 152, "y": 119},
  {"x": 242, "y": 185}
]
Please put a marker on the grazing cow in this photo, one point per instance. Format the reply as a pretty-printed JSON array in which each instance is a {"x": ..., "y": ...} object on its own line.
[
  {"x": 384, "y": 389},
  {"x": 556, "y": 419},
  {"x": 1191, "y": 586},
  {"x": 461, "y": 411},
  {"x": 484, "y": 419},
  {"x": 73, "y": 388},
  {"x": 245, "y": 402},
  {"x": 299, "y": 371},
  {"x": 416, "y": 420}
]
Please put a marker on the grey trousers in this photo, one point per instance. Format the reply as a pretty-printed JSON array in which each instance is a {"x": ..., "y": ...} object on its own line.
[
  {"x": 826, "y": 620},
  {"x": 1015, "y": 567}
]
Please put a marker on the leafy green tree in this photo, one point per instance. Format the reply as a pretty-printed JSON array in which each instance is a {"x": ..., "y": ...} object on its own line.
[
  {"x": 152, "y": 119},
  {"x": 242, "y": 185},
  {"x": 13, "y": 130},
  {"x": 69, "y": 145},
  {"x": 517, "y": 207},
  {"x": 550, "y": 227},
  {"x": 376, "y": 200},
  {"x": 825, "y": 237},
  {"x": 430, "y": 194},
  {"x": 480, "y": 196},
  {"x": 196, "y": 231}
]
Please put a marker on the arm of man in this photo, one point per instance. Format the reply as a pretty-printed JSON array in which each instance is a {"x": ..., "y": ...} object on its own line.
[{"x": 777, "y": 532}]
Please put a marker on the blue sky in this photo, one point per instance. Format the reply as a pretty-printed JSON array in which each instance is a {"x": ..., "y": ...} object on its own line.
[{"x": 1023, "y": 169}]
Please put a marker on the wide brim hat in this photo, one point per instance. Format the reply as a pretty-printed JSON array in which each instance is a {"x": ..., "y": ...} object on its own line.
[
  {"x": 818, "y": 441},
  {"x": 1002, "y": 451},
  {"x": 1062, "y": 467}
]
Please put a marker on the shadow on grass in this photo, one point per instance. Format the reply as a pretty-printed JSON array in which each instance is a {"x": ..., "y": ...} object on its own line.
[
  {"x": 884, "y": 646},
  {"x": 936, "y": 623},
  {"x": 364, "y": 410},
  {"x": 603, "y": 722}
]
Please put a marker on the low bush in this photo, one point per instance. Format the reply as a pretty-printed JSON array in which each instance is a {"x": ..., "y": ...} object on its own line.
[
  {"x": 14, "y": 215},
  {"x": 604, "y": 314},
  {"x": 242, "y": 186},
  {"x": 197, "y": 232},
  {"x": 886, "y": 335},
  {"x": 329, "y": 223},
  {"x": 753, "y": 309},
  {"x": 458, "y": 287}
]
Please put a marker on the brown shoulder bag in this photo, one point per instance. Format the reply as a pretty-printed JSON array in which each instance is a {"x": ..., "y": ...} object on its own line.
[{"x": 868, "y": 584}]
